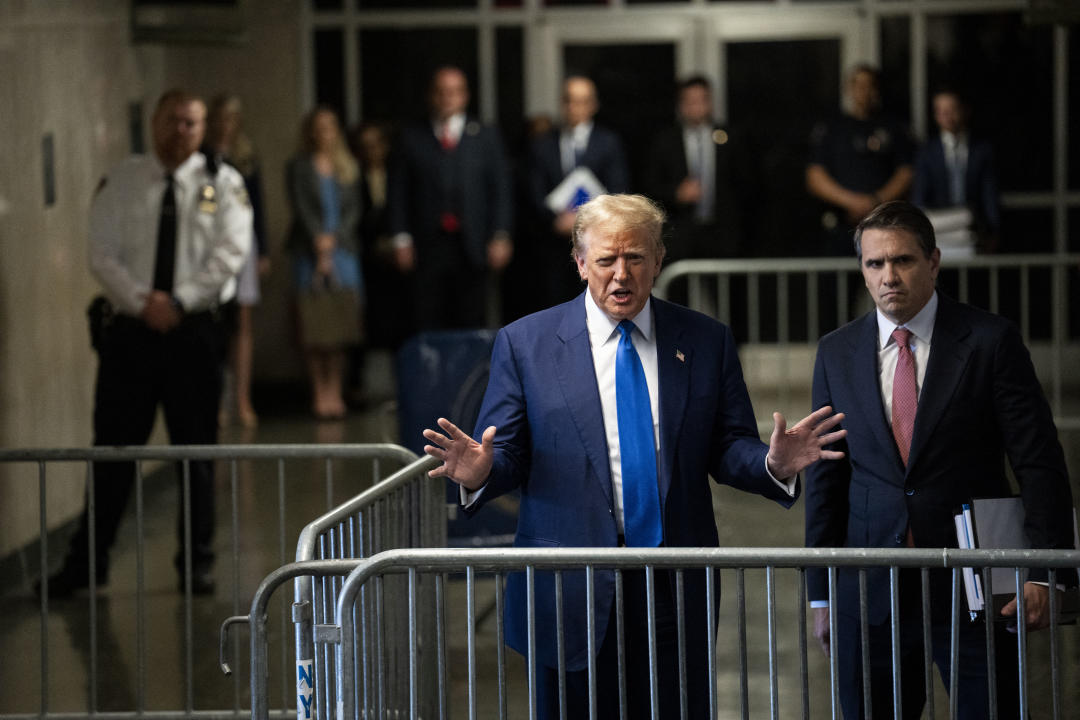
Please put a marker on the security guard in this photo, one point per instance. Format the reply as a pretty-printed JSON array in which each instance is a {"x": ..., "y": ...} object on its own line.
[{"x": 168, "y": 234}]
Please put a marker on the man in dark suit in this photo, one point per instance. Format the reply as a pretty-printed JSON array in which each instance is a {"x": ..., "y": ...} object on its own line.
[
  {"x": 580, "y": 142},
  {"x": 956, "y": 169},
  {"x": 932, "y": 392},
  {"x": 450, "y": 208},
  {"x": 691, "y": 174},
  {"x": 609, "y": 412}
]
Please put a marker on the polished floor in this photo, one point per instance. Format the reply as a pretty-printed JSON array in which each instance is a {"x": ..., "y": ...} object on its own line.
[{"x": 163, "y": 656}]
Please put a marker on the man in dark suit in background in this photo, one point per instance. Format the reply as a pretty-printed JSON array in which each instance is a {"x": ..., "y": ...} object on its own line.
[
  {"x": 580, "y": 142},
  {"x": 932, "y": 392},
  {"x": 610, "y": 412},
  {"x": 691, "y": 172},
  {"x": 450, "y": 208},
  {"x": 956, "y": 169}
]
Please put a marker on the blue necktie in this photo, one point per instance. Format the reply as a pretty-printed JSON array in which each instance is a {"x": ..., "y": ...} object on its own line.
[{"x": 637, "y": 449}]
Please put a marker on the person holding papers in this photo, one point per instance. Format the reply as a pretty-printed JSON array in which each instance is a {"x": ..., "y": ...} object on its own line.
[
  {"x": 936, "y": 395},
  {"x": 593, "y": 155}
]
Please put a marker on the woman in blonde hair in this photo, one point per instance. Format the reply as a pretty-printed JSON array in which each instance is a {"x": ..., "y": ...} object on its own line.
[
  {"x": 227, "y": 142},
  {"x": 323, "y": 191}
]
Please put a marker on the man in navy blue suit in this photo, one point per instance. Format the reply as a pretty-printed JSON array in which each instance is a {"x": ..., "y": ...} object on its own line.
[
  {"x": 555, "y": 423},
  {"x": 956, "y": 169},
  {"x": 935, "y": 395},
  {"x": 579, "y": 142}
]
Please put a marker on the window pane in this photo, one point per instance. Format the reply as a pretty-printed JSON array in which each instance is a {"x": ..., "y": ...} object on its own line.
[
  {"x": 1005, "y": 69},
  {"x": 896, "y": 66},
  {"x": 330, "y": 69},
  {"x": 396, "y": 67},
  {"x": 1074, "y": 110},
  {"x": 777, "y": 91}
]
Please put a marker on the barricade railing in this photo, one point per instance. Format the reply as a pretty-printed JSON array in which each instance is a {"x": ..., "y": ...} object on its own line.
[
  {"x": 362, "y": 665},
  {"x": 343, "y": 469},
  {"x": 406, "y": 510},
  {"x": 796, "y": 300}
]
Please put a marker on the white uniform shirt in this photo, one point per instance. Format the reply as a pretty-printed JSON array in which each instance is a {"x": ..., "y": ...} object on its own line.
[{"x": 213, "y": 236}]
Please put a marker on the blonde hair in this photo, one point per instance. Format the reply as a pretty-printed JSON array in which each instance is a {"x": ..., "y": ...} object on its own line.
[
  {"x": 618, "y": 214},
  {"x": 345, "y": 168},
  {"x": 241, "y": 154}
]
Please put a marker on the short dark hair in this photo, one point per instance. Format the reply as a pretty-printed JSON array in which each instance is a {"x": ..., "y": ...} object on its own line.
[
  {"x": 695, "y": 81},
  {"x": 898, "y": 215}
]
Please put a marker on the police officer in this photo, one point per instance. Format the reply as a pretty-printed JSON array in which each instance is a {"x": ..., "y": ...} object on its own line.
[
  {"x": 858, "y": 161},
  {"x": 168, "y": 234}
]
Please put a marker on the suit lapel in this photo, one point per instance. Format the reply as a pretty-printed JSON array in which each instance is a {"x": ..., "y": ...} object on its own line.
[
  {"x": 949, "y": 356},
  {"x": 673, "y": 376},
  {"x": 865, "y": 378},
  {"x": 577, "y": 380}
]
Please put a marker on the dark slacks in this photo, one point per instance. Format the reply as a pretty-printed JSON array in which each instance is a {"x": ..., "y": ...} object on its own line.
[
  {"x": 138, "y": 369},
  {"x": 450, "y": 293},
  {"x": 635, "y": 619},
  {"x": 973, "y": 700}
]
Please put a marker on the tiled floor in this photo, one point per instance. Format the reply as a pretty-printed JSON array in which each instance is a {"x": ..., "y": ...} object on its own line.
[{"x": 179, "y": 669}]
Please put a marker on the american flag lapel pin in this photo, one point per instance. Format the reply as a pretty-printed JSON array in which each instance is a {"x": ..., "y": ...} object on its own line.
[{"x": 680, "y": 356}]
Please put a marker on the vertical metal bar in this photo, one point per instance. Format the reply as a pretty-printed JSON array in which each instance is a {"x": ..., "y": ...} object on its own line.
[
  {"x": 991, "y": 653},
  {"x": 843, "y": 312},
  {"x": 470, "y": 634},
  {"x": 590, "y": 625},
  {"x": 530, "y": 612},
  {"x": 1021, "y": 641},
  {"x": 723, "y": 298},
  {"x": 782, "y": 299},
  {"x": 43, "y": 504},
  {"x": 800, "y": 615},
  {"x": 864, "y": 644},
  {"x": 329, "y": 481},
  {"x": 380, "y": 651},
  {"x": 140, "y": 594},
  {"x": 189, "y": 631},
  {"x": 299, "y": 645},
  {"x": 694, "y": 294},
  {"x": 650, "y": 603},
  {"x": 414, "y": 664},
  {"x": 954, "y": 646},
  {"x": 894, "y": 624},
  {"x": 620, "y": 630},
  {"x": 440, "y": 642},
  {"x": 680, "y": 627},
  {"x": 1055, "y": 671},
  {"x": 560, "y": 642},
  {"x": 235, "y": 511},
  {"x": 710, "y": 623},
  {"x": 834, "y": 682},
  {"x": 774, "y": 683},
  {"x": 744, "y": 687},
  {"x": 500, "y": 644},
  {"x": 928, "y": 648},
  {"x": 1059, "y": 329},
  {"x": 813, "y": 329}
]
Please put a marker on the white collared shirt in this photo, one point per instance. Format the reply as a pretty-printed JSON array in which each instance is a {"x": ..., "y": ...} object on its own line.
[
  {"x": 573, "y": 141},
  {"x": 604, "y": 336},
  {"x": 455, "y": 125},
  {"x": 922, "y": 331},
  {"x": 213, "y": 234}
]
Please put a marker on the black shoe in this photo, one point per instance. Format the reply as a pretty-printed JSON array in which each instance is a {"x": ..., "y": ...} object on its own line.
[
  {"x": 202, "y": 582},
  {"x": 72, "y": 577}
]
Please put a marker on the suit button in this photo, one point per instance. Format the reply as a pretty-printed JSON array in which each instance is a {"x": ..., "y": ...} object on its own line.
[
  {"x": 910, "y": 491},
  {"x": 899, "y": 539}
]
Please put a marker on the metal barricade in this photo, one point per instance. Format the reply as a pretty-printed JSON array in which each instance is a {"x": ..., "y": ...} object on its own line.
[
  {"x": 406, "y": 510},
  {"x": 785, "y": 667},
  {"x": 1031, "y": 290},
  {"x": 115, "y": 692}
]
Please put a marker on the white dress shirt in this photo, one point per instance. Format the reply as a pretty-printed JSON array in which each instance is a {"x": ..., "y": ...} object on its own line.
[
  {"x": 604, "y": 336},
  {"x": 572, "y": 142},
  {"x": 213, "y": 236},
  {"x": 922, "y": 332},
  {"x": 455, "y": 125}
]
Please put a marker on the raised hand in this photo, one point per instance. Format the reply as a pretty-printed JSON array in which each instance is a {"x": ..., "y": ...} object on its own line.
[
  {"x": 465, "y": 461},
  {"x": 792, "y": 450}
]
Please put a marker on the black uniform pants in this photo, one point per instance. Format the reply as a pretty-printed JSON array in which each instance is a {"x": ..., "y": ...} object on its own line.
[{"x": 138, "y": 369}]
